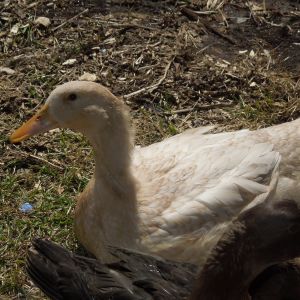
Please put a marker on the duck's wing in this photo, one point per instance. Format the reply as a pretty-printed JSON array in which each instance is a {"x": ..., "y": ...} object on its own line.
[
  {"x": 63, "y": 275},
  {"x": 188, "y": 188}
]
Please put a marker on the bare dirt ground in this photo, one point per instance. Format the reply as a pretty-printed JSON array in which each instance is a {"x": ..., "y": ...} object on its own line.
[{"x": 177, "y": 64}]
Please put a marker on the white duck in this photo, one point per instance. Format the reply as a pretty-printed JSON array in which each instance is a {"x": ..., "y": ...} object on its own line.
[{"x": 170, "y": 198}]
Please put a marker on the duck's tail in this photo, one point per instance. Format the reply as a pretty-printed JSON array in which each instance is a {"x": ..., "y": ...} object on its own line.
[
  {"x": 49, "y": 265},
  {"x": 61, "y": 274}
]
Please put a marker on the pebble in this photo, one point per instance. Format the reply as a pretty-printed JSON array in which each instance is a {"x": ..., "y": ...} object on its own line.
[{"x": 26, "y": 208}]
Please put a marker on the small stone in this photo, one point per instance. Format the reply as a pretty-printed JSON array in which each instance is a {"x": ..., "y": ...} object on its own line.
[
  {"x": 42, "y": 21},
  {"x": 88, "y": 77},
  {"x": 26, "y": 208}
]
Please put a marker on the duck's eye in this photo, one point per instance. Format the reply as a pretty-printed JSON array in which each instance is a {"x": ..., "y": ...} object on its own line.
[{"x": 72, "y": 97}]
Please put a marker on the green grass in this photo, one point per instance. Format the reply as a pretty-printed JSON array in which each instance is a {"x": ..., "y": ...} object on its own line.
[{"x": 51, "y": 191}]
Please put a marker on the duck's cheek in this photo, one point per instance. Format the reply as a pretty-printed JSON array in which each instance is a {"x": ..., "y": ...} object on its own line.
[{"x": 75, "y": 123}]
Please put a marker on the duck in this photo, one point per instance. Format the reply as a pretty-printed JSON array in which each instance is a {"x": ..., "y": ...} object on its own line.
[
  {"x": 254, "y": 251},
  {"x": 247, "y": 253},
  {"x": 280, "y": 281},
  {"x": 169, "y": 198}
]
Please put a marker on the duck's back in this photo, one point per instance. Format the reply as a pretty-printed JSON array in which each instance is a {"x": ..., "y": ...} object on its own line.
[
  {"x": 191, "y": 182},
  {"x": 286, "y": 140}
]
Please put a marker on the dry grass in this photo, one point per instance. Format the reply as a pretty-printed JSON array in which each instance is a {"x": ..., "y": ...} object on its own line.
[{"x": 186, "y": 75}]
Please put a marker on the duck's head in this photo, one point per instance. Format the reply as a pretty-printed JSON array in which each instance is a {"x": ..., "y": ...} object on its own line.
[{"x": 77, "y": 105}]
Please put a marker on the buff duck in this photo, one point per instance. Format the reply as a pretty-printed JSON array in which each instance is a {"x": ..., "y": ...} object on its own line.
[
  {"x": 245, "y": 264},
  {"x": 168, "y": 198}
]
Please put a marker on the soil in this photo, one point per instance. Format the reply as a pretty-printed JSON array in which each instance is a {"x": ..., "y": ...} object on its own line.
[{"x": 234, "y": 55}]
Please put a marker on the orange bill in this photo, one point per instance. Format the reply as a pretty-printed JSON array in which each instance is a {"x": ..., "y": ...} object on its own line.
[{"x": 41, "y": 122}]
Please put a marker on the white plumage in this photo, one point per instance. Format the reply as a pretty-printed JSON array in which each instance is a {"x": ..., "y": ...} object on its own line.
[{"x": 171, "y": 198}]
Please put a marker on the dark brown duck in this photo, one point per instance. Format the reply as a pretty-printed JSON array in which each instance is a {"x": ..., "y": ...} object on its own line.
[{"x": 245, "y": 264}]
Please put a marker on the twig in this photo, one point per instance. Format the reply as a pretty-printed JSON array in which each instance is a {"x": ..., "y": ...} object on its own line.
[
  {"x": 252, "y": 14},
  {"x": 204, "y": 48},
  {"x": 193, "y": 16},
  {"x": 179, "y": 111},
  {"x": 129, "y": 26},
  {"x": 45, "y": 161},
  {"x": 190, "y": 14},
  {"x": 123, "y": 25},
  {"x": 71, "y": 19},
  {"x": 224, "y": 18},
  {"x": 205, "y": 12},
  {"x": 198, "y": 107},
  {"x": 264, "y": 6},
  {"x": 151, "y": 87},
  {"x": 69, "y": 209},
  {"x": 189, "y": 114}
]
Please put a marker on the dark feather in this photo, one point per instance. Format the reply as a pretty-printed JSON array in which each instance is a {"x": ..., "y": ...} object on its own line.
[
  {"x": 63, "y": 275},
  {"x": 263, "y": 236}
]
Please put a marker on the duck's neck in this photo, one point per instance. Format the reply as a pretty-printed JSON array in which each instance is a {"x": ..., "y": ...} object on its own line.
[
  {"x": 230, "y": 269},
  {"x": 114, "y": 192}
]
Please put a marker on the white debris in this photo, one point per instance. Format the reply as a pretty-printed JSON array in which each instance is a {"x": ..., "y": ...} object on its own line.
[
  {"x": 33, "y": 4},
  {"x": 240, "y": 20},
  {"x": 88, "y": 77},
  {"x": 104, "y": 74},
  {"x": 55, "y": 130},
  {"x": 7, "y": 71},
  {"x": 70, "y": 62},
  {"x": 252, "y": 53},
  {"x": 6, "y": 3},
  {"x": 221, "y": 65},
  {"x": 42, "y": 21},
  {"x": 15, "y": 29}
]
